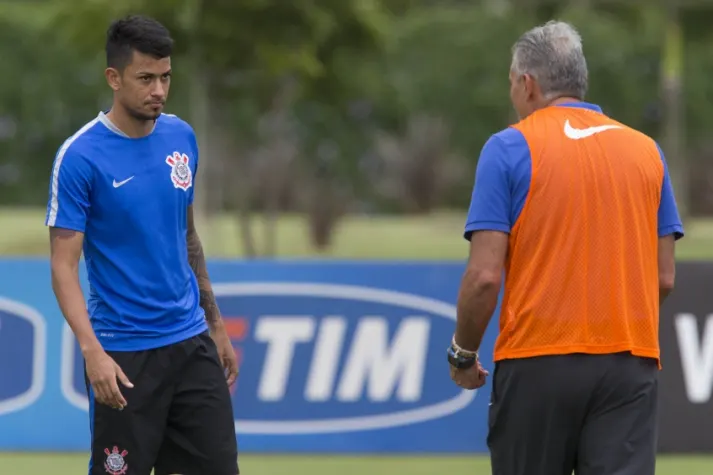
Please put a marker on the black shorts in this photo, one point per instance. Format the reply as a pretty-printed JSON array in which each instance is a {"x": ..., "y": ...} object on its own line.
[
  {"x": 178, "y": 418},
  {"x": 591, "y": 414}
]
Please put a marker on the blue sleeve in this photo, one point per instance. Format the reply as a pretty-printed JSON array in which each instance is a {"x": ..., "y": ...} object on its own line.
[
  {"x": 70, "y": 188},
  {"x": 194, "y": 144},
  {"x": 502, "y": 181},
  {"x": 669, "y": 221}
]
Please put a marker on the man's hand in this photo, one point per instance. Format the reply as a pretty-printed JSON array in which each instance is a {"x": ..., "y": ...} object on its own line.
[
  {"x": 103, "y": 373},
  {"x": 226, "y": 352},
  {"x": 471, "y": 378}
]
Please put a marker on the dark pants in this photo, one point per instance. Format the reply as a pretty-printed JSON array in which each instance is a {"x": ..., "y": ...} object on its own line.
[
  {"x": 591, "y": 414},
  {"x": 178, "y": 418}
]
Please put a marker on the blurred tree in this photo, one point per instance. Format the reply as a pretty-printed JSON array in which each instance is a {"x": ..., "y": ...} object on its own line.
[
  {"x": 39, "y": 101},
  {"x": 327, "y": 200},
  {"x": 452, "y": 62},
  {"x": 360, "y": 70},
  {"x": 418, "y": 169},
  {"x": 271, "y": 166},
  {"x": 673, "y": 135}
]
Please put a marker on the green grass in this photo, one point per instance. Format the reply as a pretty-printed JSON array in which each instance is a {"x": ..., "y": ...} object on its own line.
[
  {"x": 75, "y": 464},
  {"x": 436, "y": 236}
]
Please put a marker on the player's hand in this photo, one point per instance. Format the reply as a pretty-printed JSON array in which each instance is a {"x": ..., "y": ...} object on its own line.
[
  {"x": 226, "y": 352},
  {"x": 103, "y": 374},
  {"x": 471, "y": 378}
]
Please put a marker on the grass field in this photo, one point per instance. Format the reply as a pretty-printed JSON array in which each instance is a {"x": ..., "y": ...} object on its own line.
[
  {"x": 436, "y": 236},
  {"x": 31, "y": 464}
]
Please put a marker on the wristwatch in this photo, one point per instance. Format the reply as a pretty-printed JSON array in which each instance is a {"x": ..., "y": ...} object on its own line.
[{"x": 460, "y": 358}]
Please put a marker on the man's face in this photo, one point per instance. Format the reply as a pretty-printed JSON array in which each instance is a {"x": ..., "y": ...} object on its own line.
[{"x": 142, "y": 87}]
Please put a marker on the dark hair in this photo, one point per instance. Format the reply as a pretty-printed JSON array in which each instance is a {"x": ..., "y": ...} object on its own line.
[{"x": 136, "y": 33}]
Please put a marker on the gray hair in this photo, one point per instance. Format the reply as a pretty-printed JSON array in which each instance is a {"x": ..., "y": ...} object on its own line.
[{"x": 552, "y": 54}]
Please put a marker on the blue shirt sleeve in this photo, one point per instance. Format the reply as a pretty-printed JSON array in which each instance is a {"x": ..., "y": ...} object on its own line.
[
  {"x": 669, "y": 221},
  {"x": 502, "y": 182},
  {"x": 194, "y": 144},
  {"x": 70, "y": 188}
]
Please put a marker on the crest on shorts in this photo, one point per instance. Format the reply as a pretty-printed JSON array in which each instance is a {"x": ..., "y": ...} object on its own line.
[
  {"x": 181, "y": 175},
  {"x": 115, "y": 463}
]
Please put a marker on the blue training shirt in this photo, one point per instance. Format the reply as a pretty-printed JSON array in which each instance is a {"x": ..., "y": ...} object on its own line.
[
  {"x": 502, "y": 183},
  {"x": 129, "y": 196}
]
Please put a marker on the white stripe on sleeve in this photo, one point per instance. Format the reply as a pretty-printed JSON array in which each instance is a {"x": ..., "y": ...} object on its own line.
[{"x": 54, "y": 200}]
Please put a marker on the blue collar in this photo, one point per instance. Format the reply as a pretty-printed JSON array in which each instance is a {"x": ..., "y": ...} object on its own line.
[{"x": 582, "y": 105}]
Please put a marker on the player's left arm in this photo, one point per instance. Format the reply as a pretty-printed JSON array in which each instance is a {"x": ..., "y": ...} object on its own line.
[
  {"x": 487, "y": 229},
  {"x": 670, "y": 230},
  {"x": 196, "y": 258}
]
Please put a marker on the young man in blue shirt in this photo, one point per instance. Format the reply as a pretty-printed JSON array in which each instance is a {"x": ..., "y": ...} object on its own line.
[{"x": 156, "y": 352}]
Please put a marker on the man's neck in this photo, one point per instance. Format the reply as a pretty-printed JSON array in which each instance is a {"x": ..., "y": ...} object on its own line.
[
  {"x": 130, "y": 126},
  {"x": 563, "y": 100},
  {"x": 544, "y": 104}
]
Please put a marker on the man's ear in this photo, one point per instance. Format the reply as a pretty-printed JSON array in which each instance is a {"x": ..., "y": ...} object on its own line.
[
  {"x": 531, "y": 87},
  {"x": 113, "y": 78}
]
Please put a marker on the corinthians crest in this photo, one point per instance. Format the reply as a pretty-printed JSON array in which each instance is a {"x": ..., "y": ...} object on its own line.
[
  {"x": 181, "y": 175},
  {"x": 115, "y": 464}
]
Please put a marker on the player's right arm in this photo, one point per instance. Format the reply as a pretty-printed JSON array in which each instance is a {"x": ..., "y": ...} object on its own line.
[
  {"x": 67, "y": 213},
  {"x": 670, "y": 229},
  {"x": 66, "y": 250}
]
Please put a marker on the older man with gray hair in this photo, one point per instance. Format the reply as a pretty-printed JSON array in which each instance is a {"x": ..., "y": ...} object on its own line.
[{"x": 577, "y": 210}]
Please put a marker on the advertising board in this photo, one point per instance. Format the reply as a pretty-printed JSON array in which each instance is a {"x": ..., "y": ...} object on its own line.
[
  {"x": 686, "y": 382},
  {"x": 335, "y": 357}
]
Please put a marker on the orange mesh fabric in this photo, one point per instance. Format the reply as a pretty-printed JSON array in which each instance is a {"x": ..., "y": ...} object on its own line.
[{"x": 582, "y": 271}]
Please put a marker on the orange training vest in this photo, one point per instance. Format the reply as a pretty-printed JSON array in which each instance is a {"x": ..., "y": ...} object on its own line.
[{"x": 582, "y": 265}]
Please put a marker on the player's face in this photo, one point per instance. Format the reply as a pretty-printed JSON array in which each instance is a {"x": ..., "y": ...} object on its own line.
[{"x": 143, "y": 86}]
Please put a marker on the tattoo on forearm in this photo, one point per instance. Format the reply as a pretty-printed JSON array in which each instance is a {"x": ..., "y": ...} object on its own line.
[{"x": 196, "y": 258}]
